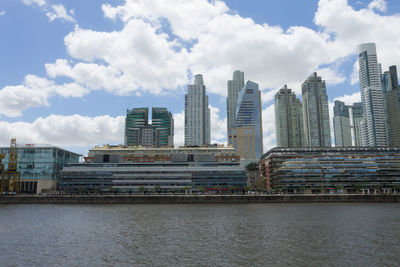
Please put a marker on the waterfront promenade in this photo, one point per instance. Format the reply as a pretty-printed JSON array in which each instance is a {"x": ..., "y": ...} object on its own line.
[{"x": 193, "y": 199}]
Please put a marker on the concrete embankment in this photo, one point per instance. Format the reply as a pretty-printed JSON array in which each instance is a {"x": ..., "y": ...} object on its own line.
[{"x": 192, "y": 199}]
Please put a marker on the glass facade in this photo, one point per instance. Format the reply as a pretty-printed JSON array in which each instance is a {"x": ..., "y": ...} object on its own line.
[
  {"x": 39, "y": 162},
  {"x": 332, "y": 170}
]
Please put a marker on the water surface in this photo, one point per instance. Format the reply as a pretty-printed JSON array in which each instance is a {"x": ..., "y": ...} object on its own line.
[{"x": 200, "y": 235}]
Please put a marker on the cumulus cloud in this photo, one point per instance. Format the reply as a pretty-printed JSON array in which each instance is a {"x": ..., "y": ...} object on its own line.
[
  {"x": 2, "y": 12},
  {"x": 61, "y": 130},
  {"x": 34, "y": 92},
  {"x": 268, "y": 118},
  {"x": 59, "y": 12}
]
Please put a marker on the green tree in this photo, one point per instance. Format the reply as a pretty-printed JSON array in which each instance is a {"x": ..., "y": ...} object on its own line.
[
  {"x": 202, "y": 189},
  {"x": 252, "y": 166},
  {"x": 141, "y": 189}
]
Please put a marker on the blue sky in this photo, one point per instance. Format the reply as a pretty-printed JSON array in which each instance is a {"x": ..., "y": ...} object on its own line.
[{"x": 70, "y": 69}]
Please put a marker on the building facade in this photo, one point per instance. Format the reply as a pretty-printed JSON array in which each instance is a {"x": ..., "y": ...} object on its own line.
[
  {"x": 234, "y": 87},
  {"x": 139, "y": 132},
  {"x": 246, "y": 134},
  {"x": 341, "y": 124},
  {"x": 375, "y": 132},
  {"x": 197, "y": 114},
  {"x": 317, "y": 131},
  {"x": 390, "y": 85},
  {"x": 289, "y": 129},
  {"x": 40, "y": 166},
  {"x": 181, "y": 172},
  {"x": 356, "y": 111},
  {"x": 332, "y": 170}
]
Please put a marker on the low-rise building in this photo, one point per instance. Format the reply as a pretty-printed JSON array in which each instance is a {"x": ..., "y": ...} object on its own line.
[
  {"x": 332, "y": 170},
  {"x": 121, "y": 173},
  {"x": 39, "y": 166}
]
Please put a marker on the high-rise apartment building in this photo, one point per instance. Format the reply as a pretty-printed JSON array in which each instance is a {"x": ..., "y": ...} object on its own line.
[
  {"x": 315, "y": 112},
  {"x": 234, "y": 87},
  {"x": 197, "y": 114},
  {"x": 375, "y": 131},
  {"x": 357, "y": 118},
  {"x": 139, "y": 132},
  {"x": 289, "y": 128},
  {"x": 390, "y": 86},
  {"x": 246, "y": 135},
  {"x": 341, "y": 124}
]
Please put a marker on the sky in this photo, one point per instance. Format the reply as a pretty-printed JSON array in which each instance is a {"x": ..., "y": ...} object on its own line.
[{"x": 69, "y": 69}]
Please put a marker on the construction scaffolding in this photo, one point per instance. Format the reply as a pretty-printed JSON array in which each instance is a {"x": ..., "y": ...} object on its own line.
[{"x": 10, "y": 179}]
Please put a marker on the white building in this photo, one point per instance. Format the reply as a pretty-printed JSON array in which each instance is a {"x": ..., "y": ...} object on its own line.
[
  {"x": 197, "y": 114},
  {"x": 375, "y": 132}
]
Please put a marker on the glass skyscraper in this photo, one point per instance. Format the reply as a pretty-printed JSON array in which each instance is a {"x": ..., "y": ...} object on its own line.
[
  {"x": 317, "y": 131},
  {"x": 289, "y": 128},
  {"x": 375, "y": 128},
  {"x": 197, "y": 114},
  {"x": 246, "y": 135},
  {"x": 139, "y": 132},
  {"x": 390, "y": 85},
  {"x": 234, "y": 87},
  {"x": 341, "y": 124}
]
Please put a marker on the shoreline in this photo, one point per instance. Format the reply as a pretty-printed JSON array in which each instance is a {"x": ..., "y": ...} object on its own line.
[{"x": 201, "y": 199}]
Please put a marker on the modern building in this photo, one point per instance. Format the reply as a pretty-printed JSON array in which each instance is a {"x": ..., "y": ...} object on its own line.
[
  {"x": 341, "y": 124},
  {"x": 181, "y": 172},
  {"x": 161, "y": 154},
  {"x": 139, "y": 132},
  {"x": 391, "y": 89},
  {"x": 197, "y": 114},
  {"x": 357, "y": 113},
  {"x": 234, "y": 87},
  {"x": 372, "y": 97},
  {"x": 246, "y": 135},
  {"x": 39, "y": 166},
  {"x": 332, "y": 170},
  {"x": 289, "y": 129},
  {"x": 317, "y": 131}
]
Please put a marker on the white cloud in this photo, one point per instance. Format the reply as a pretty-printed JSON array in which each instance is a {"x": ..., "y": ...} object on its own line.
[
  {"x": 268, "y": 116},
  {"x": 34, "y": 92},
  {"x": 34, "y": 2},
  {"x": 2, "y": 12},
  {"x": 59, "y": 12},
  {"x": 60, "y": 130},
  {"x": 179, "y": 128},
  {"x": 378, "y": 5}
]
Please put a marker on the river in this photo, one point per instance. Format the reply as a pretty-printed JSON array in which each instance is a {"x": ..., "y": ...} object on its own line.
[{"x": 200, "y": 235}]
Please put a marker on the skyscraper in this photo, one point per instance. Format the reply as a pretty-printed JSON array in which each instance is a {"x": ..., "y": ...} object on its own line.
[
  {"x": 139, "y": 132},
  {"x": 197, "y": 114},
  {"x": 357, "y": 114},
  {"x": 341, "y": 124},
  {"x": 375, "y": 132},
  {"x": 391, "y": 89},
  {"x": 163, "y": 124},
  {"x": 246, "y": 134},
  {"x": 315, "y": 112},
  {"x": 289, "y": 128},
  {"x": 234, "y": 86},
  {"x": 136, "y": 119}
]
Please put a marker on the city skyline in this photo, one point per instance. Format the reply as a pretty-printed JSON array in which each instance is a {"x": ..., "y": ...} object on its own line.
[{"x": 60, "y": 85}]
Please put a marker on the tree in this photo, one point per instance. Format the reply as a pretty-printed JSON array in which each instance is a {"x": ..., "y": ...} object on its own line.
[
  {"x": 187, "y": 189},
  {"x": 157, "y": 188},
  {"x": 141, "y": 189},
  {"x": 202, "y": 189},
  {"x": 252, "y": 167}
]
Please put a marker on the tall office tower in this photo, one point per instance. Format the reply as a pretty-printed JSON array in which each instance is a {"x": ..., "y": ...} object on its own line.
[
  {"x": 136, "y": 119},
  {"x": 357, "y": 113},
  {"x": 234, "y": 87},
  {"x": 317, "y": 131},
  {"x": 372, "y": 97},
  {"x": 341, "y": 124},
  {"x": 139, "y": 132},
  {"x": 289, "y": 128},
  {"x": 197, "y": 114},
  {"x": 246, "y": 134},
  {"x": 390, "y": 85},
  {"x": 163, "y": 124}
]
